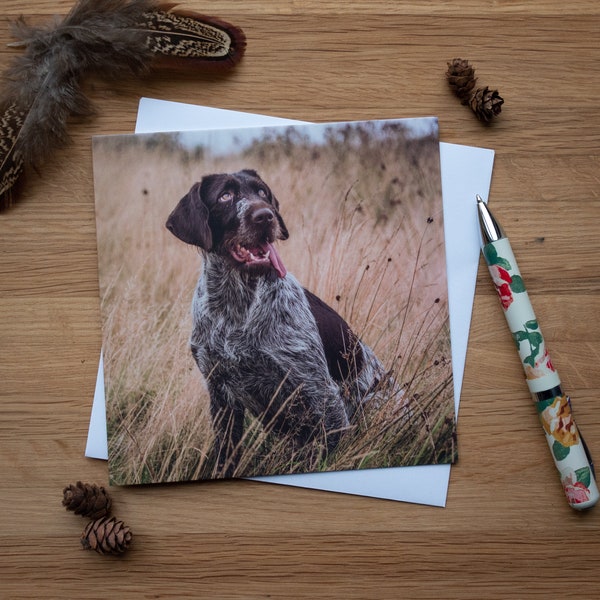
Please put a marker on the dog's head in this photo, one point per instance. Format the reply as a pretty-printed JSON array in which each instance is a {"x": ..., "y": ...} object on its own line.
[{"x": 234, "y": 215}]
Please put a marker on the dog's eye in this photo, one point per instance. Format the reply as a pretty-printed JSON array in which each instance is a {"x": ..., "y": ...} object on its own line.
[
  {"x": 262, "y": 193},
  {"x": 226, "y": 197}
]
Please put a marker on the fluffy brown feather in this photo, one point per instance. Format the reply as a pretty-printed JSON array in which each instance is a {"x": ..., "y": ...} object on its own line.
[{"x": 110, "y": 38}]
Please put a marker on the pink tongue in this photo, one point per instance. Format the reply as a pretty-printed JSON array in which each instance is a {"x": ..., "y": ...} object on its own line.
[{"x": 276, "y": 261}]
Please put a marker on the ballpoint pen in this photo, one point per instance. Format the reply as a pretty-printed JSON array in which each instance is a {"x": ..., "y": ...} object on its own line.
[{"x": 568, "y": 449}]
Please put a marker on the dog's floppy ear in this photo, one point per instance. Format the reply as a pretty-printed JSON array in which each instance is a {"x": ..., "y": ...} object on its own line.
[
  {"x": 284, "y": 235},
  {"x": 189, "y": 220}
]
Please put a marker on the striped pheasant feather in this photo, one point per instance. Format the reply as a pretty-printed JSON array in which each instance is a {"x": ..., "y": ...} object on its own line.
[
  {"x": 187, "y": 37},
  {"x": 110, "y": 38},
  {"x": 11, "y": 163}
]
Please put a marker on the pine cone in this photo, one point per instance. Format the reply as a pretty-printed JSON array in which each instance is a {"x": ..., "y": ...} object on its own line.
[
  {"x": 486, "y": 103},
  {"x": 461, "y": 77},
  {"x": 88, "y": 500},
  {"x": 106, "y": 536}
]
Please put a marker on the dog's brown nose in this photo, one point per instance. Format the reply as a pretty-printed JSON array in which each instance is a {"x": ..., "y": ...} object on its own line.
[{"x": 262, "y": 216}]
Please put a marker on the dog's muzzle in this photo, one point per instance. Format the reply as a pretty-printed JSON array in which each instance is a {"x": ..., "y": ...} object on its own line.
[{"x": 254, "y": 246}]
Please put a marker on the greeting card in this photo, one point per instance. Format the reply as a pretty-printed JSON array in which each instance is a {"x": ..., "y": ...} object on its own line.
[{"x": 274, "y": 300}]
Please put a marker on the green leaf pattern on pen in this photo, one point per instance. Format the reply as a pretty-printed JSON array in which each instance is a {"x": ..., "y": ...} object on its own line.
[
  {"x": 533, "y": 337},
  {"x": 560, "y": 452},
  {"x": 584, "y": 476},
  {"x": 508, "y": 283}
]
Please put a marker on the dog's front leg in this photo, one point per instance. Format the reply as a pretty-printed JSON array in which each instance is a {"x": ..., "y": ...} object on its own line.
[{"x": 228, "y": 424}]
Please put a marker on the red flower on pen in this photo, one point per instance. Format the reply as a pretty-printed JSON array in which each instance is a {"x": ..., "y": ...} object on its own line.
[
  {"x": 548, "y": 362},
  {"x": 502, "y": 280},
  {"x": 576, "y": 492}
]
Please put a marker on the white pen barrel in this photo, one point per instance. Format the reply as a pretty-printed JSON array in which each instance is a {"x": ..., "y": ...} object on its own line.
[
  {"x": 521, "y": 319},
  {"x": 553, "y": 406}
]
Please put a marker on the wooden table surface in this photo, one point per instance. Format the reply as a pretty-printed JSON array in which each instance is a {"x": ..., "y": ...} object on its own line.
[{"x": 507, "y": 530}]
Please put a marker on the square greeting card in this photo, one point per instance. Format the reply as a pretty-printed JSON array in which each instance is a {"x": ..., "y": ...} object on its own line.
[{"x": 274, "y": 300}]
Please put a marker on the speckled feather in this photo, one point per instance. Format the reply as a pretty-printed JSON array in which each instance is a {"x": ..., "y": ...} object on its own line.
[
  {"x": 110, "y": 38},
  {"x": 184, "y": 37}
]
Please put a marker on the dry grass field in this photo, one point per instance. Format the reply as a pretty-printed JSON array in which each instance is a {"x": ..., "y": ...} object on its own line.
[{"x": 363, "y": 207}]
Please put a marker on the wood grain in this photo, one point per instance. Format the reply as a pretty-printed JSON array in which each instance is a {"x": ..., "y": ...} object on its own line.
[{"x": 507, "y": 530}]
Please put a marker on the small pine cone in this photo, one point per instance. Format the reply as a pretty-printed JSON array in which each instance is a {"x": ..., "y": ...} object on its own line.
[
  {"x": 486, "y": 104},
  {"x": 461, "y": 77},
  {"x": 106, "y": 536},
  {"x": 88, "y": 500}
]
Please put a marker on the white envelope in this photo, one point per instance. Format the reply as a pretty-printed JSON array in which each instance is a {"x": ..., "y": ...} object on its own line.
[{"x": 466, "y": 171}]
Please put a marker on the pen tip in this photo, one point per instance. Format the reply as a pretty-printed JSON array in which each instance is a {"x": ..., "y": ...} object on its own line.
[{"x": 479, "y": 198}]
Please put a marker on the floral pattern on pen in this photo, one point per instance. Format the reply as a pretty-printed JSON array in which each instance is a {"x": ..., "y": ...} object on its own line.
[
  {"x": 537, "y": 363},
  {"x": 505, "y": 283},
  {"x": 562, "y": 434},
  {"x": 536, "y": 360},
  {"x": 541, "y": 366},
  {"x": 577, "y": 491},
  {"x": 557, "y": 421},
  {"x": 502, "y": 280}
]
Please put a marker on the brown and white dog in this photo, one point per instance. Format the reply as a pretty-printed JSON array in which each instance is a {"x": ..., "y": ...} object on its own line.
[{"x": 263, "y": 343}]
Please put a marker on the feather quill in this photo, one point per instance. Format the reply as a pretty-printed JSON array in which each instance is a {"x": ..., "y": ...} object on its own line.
[{"x": 109, "y": 38}]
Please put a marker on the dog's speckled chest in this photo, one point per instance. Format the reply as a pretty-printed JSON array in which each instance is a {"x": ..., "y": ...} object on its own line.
[{"x": 242, "y": 324}]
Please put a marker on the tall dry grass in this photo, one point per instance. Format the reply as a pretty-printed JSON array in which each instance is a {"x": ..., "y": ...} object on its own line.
[{"x": 364, "y": 213}]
